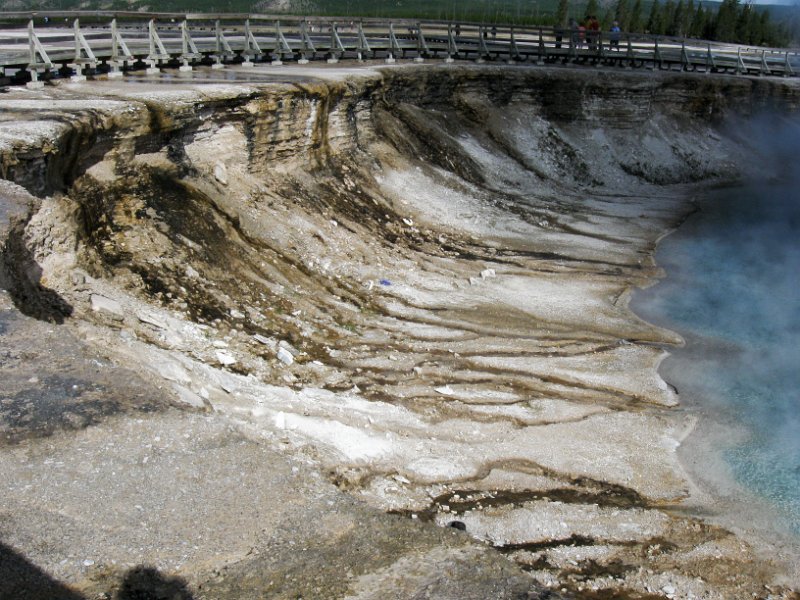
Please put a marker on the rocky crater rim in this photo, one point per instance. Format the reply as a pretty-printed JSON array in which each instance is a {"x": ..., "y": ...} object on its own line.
[{"x": 414, "y": 281}]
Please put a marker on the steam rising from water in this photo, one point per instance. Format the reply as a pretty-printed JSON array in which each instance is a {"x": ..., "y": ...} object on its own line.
[{"x": 733, "y": 288}]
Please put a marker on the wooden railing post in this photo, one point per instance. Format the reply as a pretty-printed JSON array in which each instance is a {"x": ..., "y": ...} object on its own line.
[
  {"x": 307, "y": 44},
  {"x": 542, "y": 54},
  {"x": 394, "y": 46},
  {"x": 629, "y": 55},
  {"x": 282, "y": 47},
  {"x": 363, "y": 43},
  {"x": 76, "y": 30},
  {"x": 120, "y": 54},
  {"x": 222, "y": 49},
  {"x": 422, "y": 45},
  {"x": 336, "y": 46},
  {"x": 452, "y": 46},
  {"x": 657, "y": 55},
  {"x": 189, "y": 51},
  {"x": 34, "y": 65},
  {"x": 684, "y": 56},
  {"x": 81, "y": 46},
  {"x": 158, "y": 53},
  {"x": 513, "y": 49},
  {"x": 252, "y": 50},
  {"x": 574, "y": 40},
  {"x": 483, "y": 50}
]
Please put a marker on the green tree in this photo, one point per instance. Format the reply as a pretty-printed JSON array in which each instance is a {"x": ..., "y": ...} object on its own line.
[
  {"x": 635, "y": 21},
  {"x": 622, "y": 14},
  {"x": 591, "y": 8},
  {"x": 758, "y": 28},
  {"x": 608, "y": 18},
  {"x": 665, "y": 18},
  {"x": 745, "y": 25},
  {"x": 562, "y": 13},
  {"x": 763, "y": 31},
  {"x": 688, "y": 17},
  {"x": 696, "y": 30},
  {"x": 678, "y": 17},
  {"x": 710, "y": 29},
  {"x": 699, "y": 22},
  {"x": 654, "y": 21},
  {"x": 727, "y": 18},
  {"x": 792, "y": 30},
  {"x": 668, "y": 18}
]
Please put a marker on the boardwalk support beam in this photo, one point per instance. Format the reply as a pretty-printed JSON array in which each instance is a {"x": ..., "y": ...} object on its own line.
[
  {"x": 158, "y": 53},
  {"x": 394, "y": 46},
  {"x": 711, "y": 65},
  {"x": 656, "y": 55},
  {"x": 740, "y": 68},
  {"x": 189, "y": 51},
  {"x": 684, "y": 57},
  {"x": 336, "y": 46},
  {"x": 81, "y": 47},
  {"x": 514, "y": 53},
  {"x": 306, "y": 44},
  {"x": 120, "y": 54},
  {"x": 422, "y": 45},
  {"x": 251, "y": 48},
  {"x": 629, "y": 55},
  {"x": 282, "y": 47},
  {"x": 483, "y": 50},
  {"x": 452, "y": 46},
  {"x": 37, "y": 51},
  {"x": 542, "y": 54},
  {"x": 363, "y": 44},
  {"x": 222, "y": 49}
]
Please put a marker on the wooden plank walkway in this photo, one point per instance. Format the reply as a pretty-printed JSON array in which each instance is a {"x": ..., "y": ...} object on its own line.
[{"x": 81, "y": 43}]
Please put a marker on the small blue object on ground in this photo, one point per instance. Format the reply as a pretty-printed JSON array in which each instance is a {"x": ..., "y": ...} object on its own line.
[{"x": 385, "y": 282}]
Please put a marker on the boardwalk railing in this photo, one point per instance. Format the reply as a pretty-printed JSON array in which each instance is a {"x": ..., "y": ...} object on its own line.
[{"x": 84, "y": 43}]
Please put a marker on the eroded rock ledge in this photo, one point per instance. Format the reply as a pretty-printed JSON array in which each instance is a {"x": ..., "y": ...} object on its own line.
[{"x": 275, "y": 331}]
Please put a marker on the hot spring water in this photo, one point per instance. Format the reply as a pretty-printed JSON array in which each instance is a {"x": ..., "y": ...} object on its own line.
[{"x": 733, "y": 290}]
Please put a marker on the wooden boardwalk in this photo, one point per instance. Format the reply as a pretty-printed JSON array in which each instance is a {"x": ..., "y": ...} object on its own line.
[{"x": 34, "y": 46}]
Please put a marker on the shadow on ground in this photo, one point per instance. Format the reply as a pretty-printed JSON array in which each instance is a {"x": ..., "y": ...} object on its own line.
[
  {"x": 22, "y": 277},
  {"x": 146, "y": 583},
  {"x": 20, "y": 579}
]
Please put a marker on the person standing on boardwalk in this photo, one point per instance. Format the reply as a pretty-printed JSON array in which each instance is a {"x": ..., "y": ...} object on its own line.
[
  {"x": 593, "y": 27},
  {"x": 614, "y": 35}
]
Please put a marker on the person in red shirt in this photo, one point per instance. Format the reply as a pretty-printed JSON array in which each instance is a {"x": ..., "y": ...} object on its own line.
[{"x": 593, "y": 27}]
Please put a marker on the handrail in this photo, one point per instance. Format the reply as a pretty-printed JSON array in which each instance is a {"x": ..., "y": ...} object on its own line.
[
  {"x": 172, "y": 37},
  {"x": 241, "y": 17}
]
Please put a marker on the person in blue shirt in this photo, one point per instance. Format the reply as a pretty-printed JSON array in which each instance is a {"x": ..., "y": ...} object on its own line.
[{"x": 615, "y": 35}]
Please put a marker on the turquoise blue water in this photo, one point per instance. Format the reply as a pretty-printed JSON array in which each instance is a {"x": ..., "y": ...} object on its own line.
[{"x": 733, "y": 290}]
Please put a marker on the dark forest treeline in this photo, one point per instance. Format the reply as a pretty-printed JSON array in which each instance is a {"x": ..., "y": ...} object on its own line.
[{"x": 730, "y": 21}]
